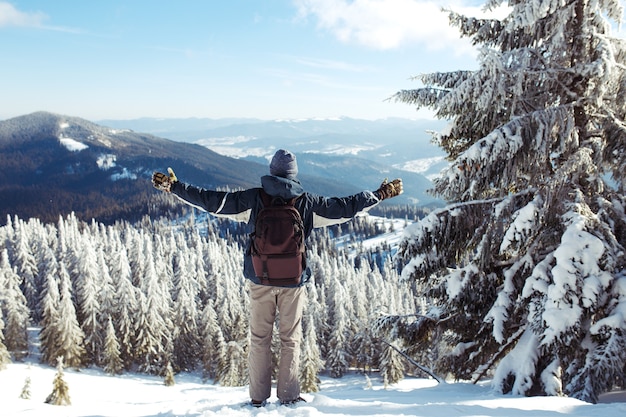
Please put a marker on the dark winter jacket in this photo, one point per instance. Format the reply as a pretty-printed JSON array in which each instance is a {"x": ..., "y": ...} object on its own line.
[{"x": 243, "y": 206}]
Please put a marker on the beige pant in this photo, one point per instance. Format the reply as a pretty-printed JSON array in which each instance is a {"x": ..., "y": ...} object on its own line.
[{"x": 264, "y": 302}]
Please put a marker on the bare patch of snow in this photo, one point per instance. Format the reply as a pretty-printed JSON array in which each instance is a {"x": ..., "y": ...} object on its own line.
[
  {"x": 124, "y": 175},
  {"x": 227, "y": 146},
  {"x": 420, "y": 165},
  {"x": 106, "y": 161},
  {"x": 73, "y": 145},
  {"x": 344, "y": 150}
]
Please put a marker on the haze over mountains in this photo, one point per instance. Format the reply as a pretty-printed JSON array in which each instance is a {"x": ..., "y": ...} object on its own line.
[
  {"x": 396, "y": 143},
  {"x": 341, "y": 150},
  {"x": 54, "y": 164}
]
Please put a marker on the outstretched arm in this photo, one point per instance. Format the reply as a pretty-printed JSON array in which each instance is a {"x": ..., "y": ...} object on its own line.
[
  {"x": 233, "y": 205},
  {"x": 334, "y": 210}
]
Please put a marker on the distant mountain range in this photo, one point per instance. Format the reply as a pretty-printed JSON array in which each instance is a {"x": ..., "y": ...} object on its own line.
[
  {"x": 53, "y": 164},
  {"x": 352, "y": 151},
  {"x": 394, "y": 143}
]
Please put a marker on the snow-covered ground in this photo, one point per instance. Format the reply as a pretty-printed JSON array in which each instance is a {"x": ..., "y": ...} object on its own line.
[
  {"x": 94, "y": 394},
  {"x": 394, "y": 229}
]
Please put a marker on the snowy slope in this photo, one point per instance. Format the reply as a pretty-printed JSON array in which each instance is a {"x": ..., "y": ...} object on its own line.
[{"x": 95, "y": 394}]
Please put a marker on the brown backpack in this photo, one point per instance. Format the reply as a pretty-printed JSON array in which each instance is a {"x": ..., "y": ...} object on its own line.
[{"x": 277, "y": 247}]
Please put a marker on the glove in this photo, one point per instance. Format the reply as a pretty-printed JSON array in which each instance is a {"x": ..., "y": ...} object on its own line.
[
  {"x": 162, "y": 181},
  {"x": 389, "y": 189}
]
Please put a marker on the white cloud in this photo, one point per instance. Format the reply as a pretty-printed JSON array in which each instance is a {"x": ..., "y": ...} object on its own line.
[
  {"x": 389, "y": 24},
  {"x": 10, "y": 16}
]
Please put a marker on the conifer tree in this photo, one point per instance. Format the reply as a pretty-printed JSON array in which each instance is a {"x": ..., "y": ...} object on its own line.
[
  {"x": 366, "y": 348},
  {"x": 111, "y": 355},
  {"x": 168, "y": 379},
  {"x": 311, "y": 363},
  {"x": 213, "y": 344},
  {"x": 527, "y": 261},
  {"x": 126, "y": 306},
  {"x": 153, "y": 329},
  {"x": 234, "y": 372},
  {"x": 391, "y": 366},
  {"x": 88, "y": 287},
  {"x": 25, "y": 265},
  {"x": 16, "y": 313},
  {"x": 275, "y": 349},
  {"x": 363, "y": 347},
  {"x": 106, "y": 300},
  {"x": 69, "y": 337},
  {"x": 186, "y": 334},
  {"x": 338, "y": 360},
  {"x": 5, "y": 358},
  {"x": 44, "y": 242},
  {"x": 49, "y": 345},
  {"x": 26, "y": 394},
  {"x": 60, "y": 394},
  {"x": 134, "y": 244}
]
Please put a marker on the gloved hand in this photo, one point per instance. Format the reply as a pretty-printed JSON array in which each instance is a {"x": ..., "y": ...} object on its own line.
[
  {"x": 389, "y": 189},
  {"x": 162, "y": 181}
]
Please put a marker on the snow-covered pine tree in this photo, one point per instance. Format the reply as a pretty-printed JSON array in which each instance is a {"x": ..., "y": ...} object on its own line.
[
  {"x": 126, "y": 306},
  {"x": 60, "y": 394},
  {"x": 106, "y": 298},
  {"x": 366, "y": 349},
  {"x": 26, "y": 394},
  {"x": 153, "y": 327},
  {"x": 26, "y": 266},
  {"x": 14, "y": 305},
  {"x": 112, "y": 362},
  {"x": 361, "y": 343},
  {"x": 87, "y": 288},
  {"x": 186, "y": 334},
  {"x": 48, "y": 344},
  {"x": 150, "y": 327},
  {"x": 275, "y": 349},
  {"x": 317, "y": 298},
  {"x": 391, "y": 366},
  {"x": 198, "y": 269},
  {"x": 235, "y": 369},
  {"x": 213, "y": 344},
  {"x": 43, "y": 241},
  {"x": 527, "y": 262},
  {"x": 338, "y": 359},
  {"x": 69, "y": 338},
  {"x": 311, "y": 362},
  {"x": 5, "y": 358},
  {"x": 168, "y": 378},
  {"x": 134, "y": 244}
]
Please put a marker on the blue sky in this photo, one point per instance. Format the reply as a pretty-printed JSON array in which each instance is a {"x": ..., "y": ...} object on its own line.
[{"x": 269, "y": 59}]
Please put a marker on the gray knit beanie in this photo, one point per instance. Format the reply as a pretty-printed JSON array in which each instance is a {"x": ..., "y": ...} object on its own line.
[{"x": 284, "y": 164}]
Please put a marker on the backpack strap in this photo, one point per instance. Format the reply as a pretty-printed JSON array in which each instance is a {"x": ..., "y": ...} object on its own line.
[{"x": 269, "y": 200}]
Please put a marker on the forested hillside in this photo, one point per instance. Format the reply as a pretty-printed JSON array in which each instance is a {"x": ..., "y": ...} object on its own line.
[{"x": 160, "y": 293}]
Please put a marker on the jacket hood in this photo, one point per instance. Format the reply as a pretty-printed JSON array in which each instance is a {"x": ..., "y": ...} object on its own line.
[{"x": 281, "y": 187}]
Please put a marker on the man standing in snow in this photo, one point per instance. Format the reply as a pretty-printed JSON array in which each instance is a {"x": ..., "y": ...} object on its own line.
[{"x": 267, "y": 300}]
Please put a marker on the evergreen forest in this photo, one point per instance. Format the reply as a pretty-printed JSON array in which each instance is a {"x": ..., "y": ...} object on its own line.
[{"x": 167, "y": 294}]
